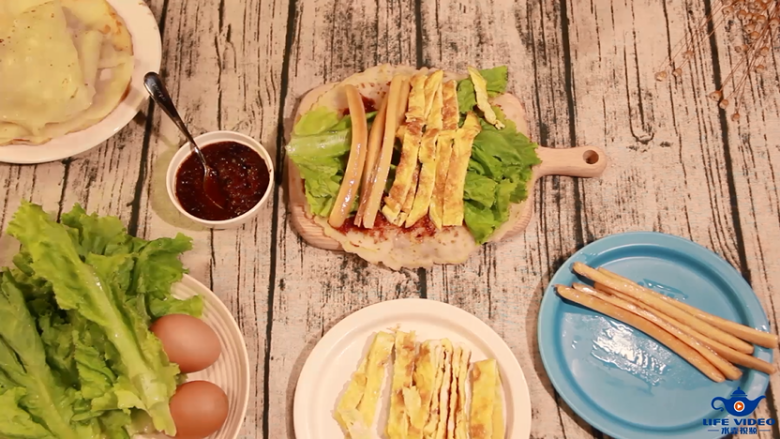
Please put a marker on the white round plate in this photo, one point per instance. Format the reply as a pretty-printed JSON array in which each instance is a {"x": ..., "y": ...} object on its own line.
[
  {"x": 336, "y": 357},
  {"x": 231, "y": 371},
  {"x": 147, "y": 52}
]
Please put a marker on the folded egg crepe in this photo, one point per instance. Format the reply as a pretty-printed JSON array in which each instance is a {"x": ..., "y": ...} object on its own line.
[
  {"x": 65, "y": 65},
  {"x": 445, "y": 170}
]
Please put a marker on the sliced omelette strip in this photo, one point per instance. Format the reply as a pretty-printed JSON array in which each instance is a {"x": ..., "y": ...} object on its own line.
[
  {"x": 444, "y": 393},
  {"x": 480, "y": 87},
  {"x": 427, "y": 178},
  {"x": 499, "y": 431},
  {"x": 456, "y": 176},
  {"x": 432, "y": 87},
  {"x": 484, "y": 380},
  {"x": 426, "y": 370},
  {"x": 454, "y": 388},
  {"x": 355, "y": 411},
  {"x": 378, "y": 357},
  {"x": 403, "y": 368},
  {"x": 415, "y": 121},
  {"x": 431, "y": 426},
  {"x": 450, "y": 116},
  {"x": 351, "y": 398},
  {"x": 461, "y": 418}
]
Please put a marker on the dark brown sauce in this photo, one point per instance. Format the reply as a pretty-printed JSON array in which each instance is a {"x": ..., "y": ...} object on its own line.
[{"x": 243, "y": 175}]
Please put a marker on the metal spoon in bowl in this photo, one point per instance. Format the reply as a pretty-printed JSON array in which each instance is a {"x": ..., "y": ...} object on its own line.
[{"x": 159, "y": 94}]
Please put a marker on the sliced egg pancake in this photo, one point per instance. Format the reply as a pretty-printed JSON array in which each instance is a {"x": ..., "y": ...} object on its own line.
[
  {"x": 461, "y": 418},
  {"x": 498, "y": 412},
  {"x": 351, "y": 398},
  {"x": 355, "y": 411},
  {"x": 444, "y": 394},
  {"x": 456, "y": 176},
  {"x": 432, "y": 85},
  {"x": 456, "y": 364},
  {"x": 433, "y": 419},
  {"x": 427, "y": 178},
  {"x": 378, "y": 357},
  {"x": 480, "y": 87},
  {"x": 484, "y": 380},
  {"x": 450, "y": 118},
  {"x": 398, "y": 421},
  {"x": 356, "y": 428},
  {"x": 435, "y": 116},
  {"x": 424, "y": 379},
  {"x": 404, "y": 171},
  {"x": 416, "y": 107}
]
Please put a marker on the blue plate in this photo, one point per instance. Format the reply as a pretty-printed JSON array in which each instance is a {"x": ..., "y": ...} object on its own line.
[{"x": 617, "y": 378}]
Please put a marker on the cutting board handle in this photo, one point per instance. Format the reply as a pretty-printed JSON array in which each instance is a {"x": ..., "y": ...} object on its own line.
[{"x": 582, "y": 161}]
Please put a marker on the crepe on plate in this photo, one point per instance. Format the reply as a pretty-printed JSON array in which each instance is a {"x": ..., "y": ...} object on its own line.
[
  {"x": 428, "y": 392},
  {"x": 65, "y": 65},
  {"x": 412, "y": 168}
]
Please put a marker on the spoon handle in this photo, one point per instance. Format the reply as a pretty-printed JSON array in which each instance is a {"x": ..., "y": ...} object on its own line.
[{"x": 159, "y": 94}]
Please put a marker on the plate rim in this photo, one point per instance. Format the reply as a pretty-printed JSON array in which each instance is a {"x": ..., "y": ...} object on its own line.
[
  {"x": 504, "y": 355},
  {"x": 201, "y": 288},
  {"x": 550, "y": 301},
  {"x": 138, "y": 17}
]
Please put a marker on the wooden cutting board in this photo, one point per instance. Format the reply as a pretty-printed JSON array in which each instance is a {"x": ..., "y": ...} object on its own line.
[{"x": 583, "y": 161}]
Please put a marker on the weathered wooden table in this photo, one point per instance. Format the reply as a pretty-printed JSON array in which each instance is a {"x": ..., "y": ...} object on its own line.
[{"x": 586, "y": 72}]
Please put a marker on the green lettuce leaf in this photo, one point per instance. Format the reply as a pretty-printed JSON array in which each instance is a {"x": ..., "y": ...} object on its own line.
[
  {"x": 92, "y": 289},
  {"x": 496, "y": 79},
  {"x": 320, "y": 147},
  {"x": 23, "y": 365},
  {"x": 500, "y": 167},
  {"x": 15, "y": 422}
]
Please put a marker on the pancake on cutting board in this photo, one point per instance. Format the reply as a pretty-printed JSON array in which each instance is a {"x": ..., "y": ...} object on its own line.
[{"x": 422, "y": 244}]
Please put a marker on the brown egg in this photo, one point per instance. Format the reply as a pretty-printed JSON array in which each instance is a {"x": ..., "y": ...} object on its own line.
[
  {"x": 188, "y": 341},
  {"x": 199, "y": 408}
]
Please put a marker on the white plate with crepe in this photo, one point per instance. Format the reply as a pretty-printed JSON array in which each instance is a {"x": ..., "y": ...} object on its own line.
[
  {"x": 87, "y": 115},
  {"x": 446, "y": 332}
]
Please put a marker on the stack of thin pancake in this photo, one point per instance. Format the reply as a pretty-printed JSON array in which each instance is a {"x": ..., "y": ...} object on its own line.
[{"x": 64, "y": 66}]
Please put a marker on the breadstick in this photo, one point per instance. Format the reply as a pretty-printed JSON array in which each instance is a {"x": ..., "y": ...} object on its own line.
[
  {"x": 746, "y": 333},
  {"x": 661, "y": 305},
  {"x": 663, "y": 337},
  {"x": 357, "y": 158},
  {"x": 372, "y": 155},
  {"x": 719, "y": 348},
  {"x": 727, "y": 369}
]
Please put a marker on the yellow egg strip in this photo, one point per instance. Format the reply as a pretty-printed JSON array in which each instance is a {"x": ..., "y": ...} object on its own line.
[
  {"x": 415, "y": 120},
  {"x": 398, "y": 421},
  {"x": 484, "y": 380},
  {"x": 450, "y": 117},
  {"x": 456, "y": 177},
  {"x": 378, "y": 356},
  {"x": 480, "y": 87}
]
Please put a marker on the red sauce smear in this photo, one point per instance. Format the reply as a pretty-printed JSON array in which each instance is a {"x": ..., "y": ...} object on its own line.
[
  {"x": 243, "y": 175},
  {"x": 368, "y": 104},
  {"x": 421, "y": 229}
]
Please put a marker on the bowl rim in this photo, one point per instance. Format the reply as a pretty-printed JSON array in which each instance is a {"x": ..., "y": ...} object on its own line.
[{"x": 204, "y": 140}]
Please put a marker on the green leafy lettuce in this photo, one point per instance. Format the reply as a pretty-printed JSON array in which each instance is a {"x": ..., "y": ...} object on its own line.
[
  {"x": 496, "y": 79},
  {"x": 77, "y": 359},
  {"x": 499, "y": 169},
  {"x": 320, "y": 148}
]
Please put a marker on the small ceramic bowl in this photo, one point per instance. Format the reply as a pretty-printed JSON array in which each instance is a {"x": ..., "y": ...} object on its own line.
[{"x": 203, "y": 141}]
